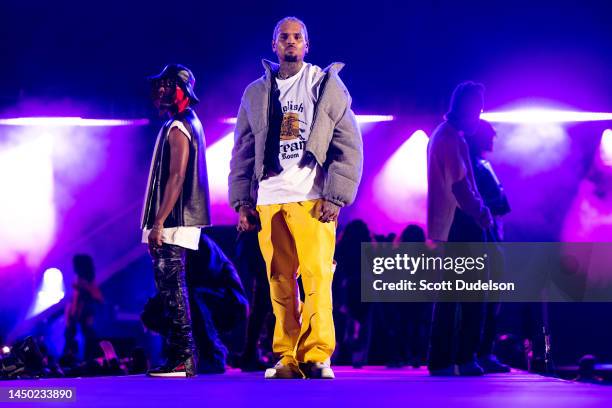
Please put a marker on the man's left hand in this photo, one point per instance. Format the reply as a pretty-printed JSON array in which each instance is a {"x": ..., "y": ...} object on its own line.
[
  {"x": 155, "y": 237},
  {"x": 328, "y": 211}
]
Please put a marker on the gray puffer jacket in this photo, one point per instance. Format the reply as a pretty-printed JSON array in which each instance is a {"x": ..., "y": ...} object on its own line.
[{"x": 335, "y": 140}]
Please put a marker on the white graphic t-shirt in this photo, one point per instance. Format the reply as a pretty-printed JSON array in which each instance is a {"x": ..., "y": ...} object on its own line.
[{"x": 298, "y": 96}]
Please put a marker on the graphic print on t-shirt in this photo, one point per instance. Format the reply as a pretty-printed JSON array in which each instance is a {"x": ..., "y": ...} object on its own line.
[
  {"x": 290, "y": 128},
  {"x": 291, "y": 134}
]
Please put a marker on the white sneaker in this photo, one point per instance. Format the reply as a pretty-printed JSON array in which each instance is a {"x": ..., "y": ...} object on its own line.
[
  {"x": 319, "y": 371},
  {"x": 283, "y": 372}
]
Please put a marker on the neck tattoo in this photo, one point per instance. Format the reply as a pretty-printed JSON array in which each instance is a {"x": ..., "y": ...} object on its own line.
[{"x": 288, "y": 70}]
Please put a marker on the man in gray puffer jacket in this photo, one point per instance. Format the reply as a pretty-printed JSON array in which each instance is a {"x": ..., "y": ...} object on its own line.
[{"x": 297, "y": 159}]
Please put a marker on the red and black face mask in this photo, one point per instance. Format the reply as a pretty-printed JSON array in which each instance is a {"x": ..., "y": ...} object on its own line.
[
  {"x": 181, "y": 101},
  {"x": 168, "y": 96}
]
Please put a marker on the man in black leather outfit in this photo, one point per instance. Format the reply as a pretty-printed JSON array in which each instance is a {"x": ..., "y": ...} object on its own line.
[
  {"x": 176, "y": 207},
  {"x": 490, "y": 188}
]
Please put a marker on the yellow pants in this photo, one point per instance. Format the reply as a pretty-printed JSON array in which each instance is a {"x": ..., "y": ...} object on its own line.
[{"x": 295, "y": 243}]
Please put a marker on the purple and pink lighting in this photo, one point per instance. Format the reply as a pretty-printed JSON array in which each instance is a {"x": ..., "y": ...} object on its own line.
[
  {"x": 605, "y": 148},
  {"x": 70, "y": 121},
  {"x": 400, "y": 189},
  {"x": 590, "y": 216},
  {"x": 536, "y": 132},
  {"x": 217, "y": 162},
  {"x": 45, "y": 162},
  {"x": 51, "y": 291},
  {"x": 360, "y": 119},
  {"x": 26, "y": 212},
  {"x": 544, "y": 116},
  {"x": 522, "y": 143}
]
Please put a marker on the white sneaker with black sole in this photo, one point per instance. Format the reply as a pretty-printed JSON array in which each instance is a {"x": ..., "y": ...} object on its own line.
[
  {"x": 319, "y": 371},
  {"x": 283, "y": 372}
]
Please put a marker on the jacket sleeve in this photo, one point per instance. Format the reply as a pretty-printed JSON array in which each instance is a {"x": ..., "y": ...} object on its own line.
[
  {"x": 467, "y": 197},
  {"x": 468, "y": 200},
  {"x": 344, "y": 162},
  {"x": 242, "y": 162}
]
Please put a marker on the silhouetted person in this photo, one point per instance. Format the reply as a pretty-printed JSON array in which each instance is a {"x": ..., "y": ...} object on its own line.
[
  {"x": 407, "y": 324},
  {"x": 587, "y": 370},
  {"x": 454, "y": 207},
  {"x": 252, "y": 268},
  {"x": 218, "y": 302},
  {"x": 492, "y": 192},
  {"x": 353, "y": 318},
  {"x": 80, "y": 311}
]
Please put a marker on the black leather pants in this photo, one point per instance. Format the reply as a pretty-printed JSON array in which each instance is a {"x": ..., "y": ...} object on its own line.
[{"x": 169, "y": 269}]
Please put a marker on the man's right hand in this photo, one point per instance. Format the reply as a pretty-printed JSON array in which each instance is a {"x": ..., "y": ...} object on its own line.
[
  {"x": 248, "y": 219},
  {"x": 486, "y": 220}
]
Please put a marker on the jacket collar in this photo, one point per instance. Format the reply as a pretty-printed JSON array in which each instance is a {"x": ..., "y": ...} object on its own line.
[{"x": 272, "y": 67}]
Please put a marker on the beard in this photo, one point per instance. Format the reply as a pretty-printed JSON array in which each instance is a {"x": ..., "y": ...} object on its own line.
[{"x": 291, "y": 58}]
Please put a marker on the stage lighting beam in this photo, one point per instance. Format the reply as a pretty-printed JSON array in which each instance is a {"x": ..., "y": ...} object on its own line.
[
  {"x": 70, "y": 121},
  {"x": 360, "y": 119},
  {"x": 541, "y": 116}
]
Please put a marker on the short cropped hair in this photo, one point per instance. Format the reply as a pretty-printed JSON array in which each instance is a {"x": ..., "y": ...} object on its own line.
[
  {"x": 465, "y": 95},
  {"x": 286, "y": 19}
]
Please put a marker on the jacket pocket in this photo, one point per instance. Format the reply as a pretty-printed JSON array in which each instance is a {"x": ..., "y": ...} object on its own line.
[
  {"x": 328, "y": 125},
  {"x": 258, "y": 119}
]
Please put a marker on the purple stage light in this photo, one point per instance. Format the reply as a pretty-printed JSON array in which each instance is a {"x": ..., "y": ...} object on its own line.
[
  {"x": 360, "y": 119},
  {"x": 43, "y": 161},
  {"x": 374, "y": 118},
  {"x": 70, "y": 121},
  {"x": 605, "y": 148},
  {"x": 536, "y": 147},
  {"x": 217, "y": 160},
  {"x": 537, "y": 116},
  {"x": 27, "y": 209},
  {"x": 589, "y": 218},
  {"x": 51, "y": 291},
  {"x": 400, "y": 189}
]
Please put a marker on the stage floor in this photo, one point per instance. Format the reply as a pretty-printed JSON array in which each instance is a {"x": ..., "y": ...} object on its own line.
[{"x": 370, "y": 386}]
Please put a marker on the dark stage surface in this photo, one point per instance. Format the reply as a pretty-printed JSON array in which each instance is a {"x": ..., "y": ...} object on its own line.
[{"x": 372, "y": 386}]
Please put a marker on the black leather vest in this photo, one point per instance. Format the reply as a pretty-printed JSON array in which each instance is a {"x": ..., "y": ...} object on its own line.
[
  {"x": 192, "y": 207},
  {"x": 490, "y": 189}
]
